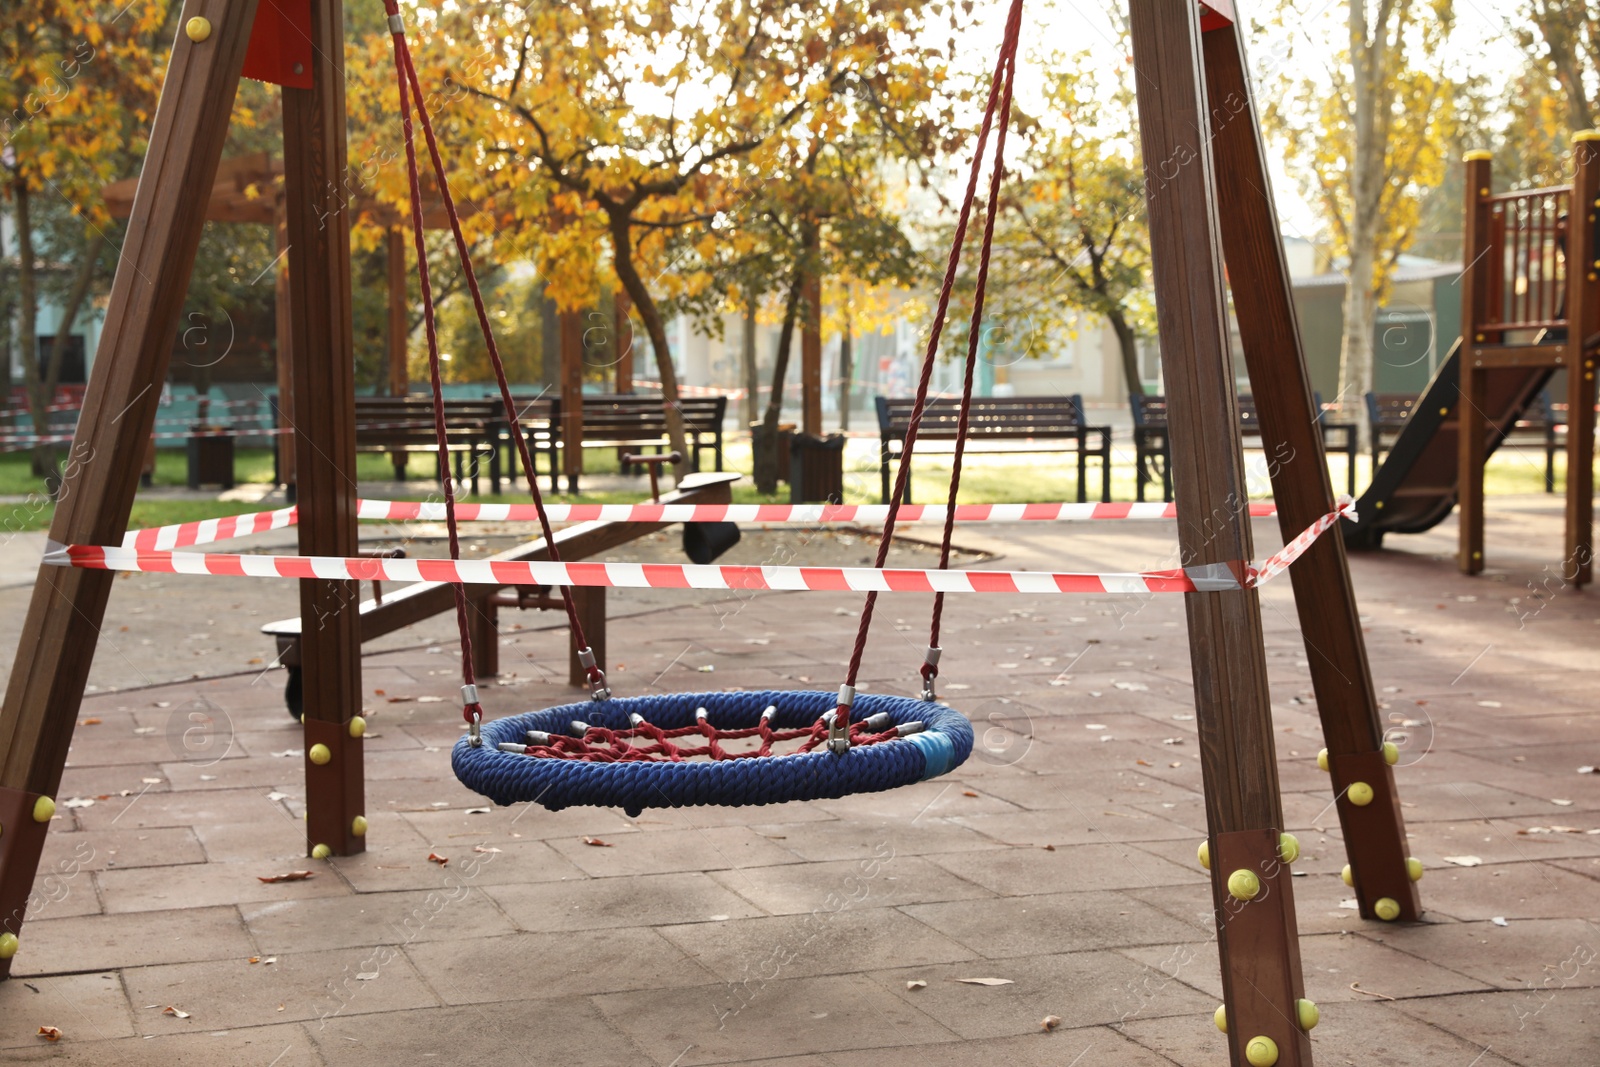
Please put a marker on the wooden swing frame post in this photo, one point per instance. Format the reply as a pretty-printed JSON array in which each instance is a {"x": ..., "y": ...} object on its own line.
[{"x": 119, "y": 410}]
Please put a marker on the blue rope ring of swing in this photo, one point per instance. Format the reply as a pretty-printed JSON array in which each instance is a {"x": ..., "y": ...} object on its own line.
[{"x": 510, "y": 777}]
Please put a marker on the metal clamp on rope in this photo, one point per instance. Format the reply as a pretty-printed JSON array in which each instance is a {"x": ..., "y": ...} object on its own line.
[
  {"x": 596, "y": 676},
  {"x": 930, "y": 671},
  {"x": 839, "y": 725},
  {"x": 469, "y": 697},
  {"x": 397, "y": 24}
]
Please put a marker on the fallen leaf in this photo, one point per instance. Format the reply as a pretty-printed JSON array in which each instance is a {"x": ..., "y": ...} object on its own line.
[
  {"x": 176, "y": 1013},
  {"x": 255, "y": 959},
  {"x": 1499, "y": 920},
  {"x": 397, "y": 700},
  {"x": 89, "y": 722},
  {"x": 916, "y": 983},
  {"x": 50, "y": 1033},
  {"x": 1132, "y": 687},
  {"x": 986, "y": 981},
  {"x": 1551, "y": 830},
  {"x": 1094, "y": 726},
  {"x": 1356, "y": 987},
  {"x": 968, "y": 793},
  {"x": 78, "y": 802},
  {"x": 597, "y": 843},
  {"x": 430, "y": 700},
  {"x": 1586, "y": 770},
  {"x": 289, "y": 753},
  {"x": 1463, "y": 861},
  {"x": 152, "y": 781},
  {"x": 1050, "y": 1022},
  {"x": 477, "y": 811},
  {"x": 1562, "y": 803},
  {"x": 1144, "y": 763},
  {"x": 480, "y": 848},
  {"x": 366, "y": 976},
  {"x": 275, "y": 795},
  {"x": 291, "y": 876},
  {"x": 1350, "y": 905},
  {"x": 440, "y": 860}
]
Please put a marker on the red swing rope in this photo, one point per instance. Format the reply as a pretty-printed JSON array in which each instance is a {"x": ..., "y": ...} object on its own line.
[
  {"x": 930, "y": 665},
  {"x": 410, "y": 87},
  {"x": 999, "y": 100}
]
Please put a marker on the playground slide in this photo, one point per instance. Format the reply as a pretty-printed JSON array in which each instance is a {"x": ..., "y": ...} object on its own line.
[{"x": 1415, "y": 488}]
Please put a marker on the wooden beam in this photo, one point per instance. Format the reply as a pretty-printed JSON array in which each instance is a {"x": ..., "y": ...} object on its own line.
[
  {"x": 1260, "y": 958},
  {"x": 323, "y": 375},
  {"x": 1471, "y": 421},
  {"x": 62, "y": 627},
  {"x": 1330, "y": 622},
  {"x": 1583, "y": 321}
]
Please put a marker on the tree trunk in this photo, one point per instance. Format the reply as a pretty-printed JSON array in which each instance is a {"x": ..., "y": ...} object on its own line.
[
  {"x": 764, "y": 442},
  {"x": 650, "y": 314},
  {"x": 1355, "y": 355},
  {"x": 70, "y": 308},
  {"x": 1368, "y": 48},
  {"x": 1128, "y": 346},
  {"x": 847, "y": 372},
  {"x": 747, "y": 359},
  {"x": 28, "y": 322}
]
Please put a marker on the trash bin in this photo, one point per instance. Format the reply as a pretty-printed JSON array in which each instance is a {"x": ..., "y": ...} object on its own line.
[
  {"x": 210, "y": 460},
  {"x": 816, "y": 469}
]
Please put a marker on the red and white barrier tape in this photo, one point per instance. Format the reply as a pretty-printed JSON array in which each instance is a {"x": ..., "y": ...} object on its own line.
[
  {"x": 1213, "y": 577},
  {"x": 208, "y": 531}
]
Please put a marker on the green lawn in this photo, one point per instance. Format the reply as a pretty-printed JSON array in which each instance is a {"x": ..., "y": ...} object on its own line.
[{"x": 986, "y": 479}]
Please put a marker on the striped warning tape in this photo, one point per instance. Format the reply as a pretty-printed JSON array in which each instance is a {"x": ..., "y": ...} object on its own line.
[
  {"x": 208, "y": 531},
  {"x": 1213, "y": 577}
]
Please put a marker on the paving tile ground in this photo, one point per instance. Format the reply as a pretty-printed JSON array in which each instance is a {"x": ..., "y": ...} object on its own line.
[{"x": 1060, "y": 857}]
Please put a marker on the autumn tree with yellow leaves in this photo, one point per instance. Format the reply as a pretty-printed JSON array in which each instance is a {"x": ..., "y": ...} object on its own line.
[
  {"x": 77, "y": 88},
  {"x": 604, "y": 129},
  {"x": 1368, "y": 138},
  {"x": 1070, "y": 236}
]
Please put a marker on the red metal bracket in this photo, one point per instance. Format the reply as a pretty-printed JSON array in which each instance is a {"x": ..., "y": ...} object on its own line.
[
  {"x": 280, "y": 44},
  {"x": 1216, "y": 15}
]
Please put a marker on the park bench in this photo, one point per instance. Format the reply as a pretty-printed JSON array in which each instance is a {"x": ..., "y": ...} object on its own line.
[
  {"x": 626, "y": 421},
  {"x": 403, "y": 425},
  {"x": 1015, "y": 424},
  {"x": 1150, "y": 442},
  {"x": 1537, "y": 427},
  {"x": 384, "y": 614}
]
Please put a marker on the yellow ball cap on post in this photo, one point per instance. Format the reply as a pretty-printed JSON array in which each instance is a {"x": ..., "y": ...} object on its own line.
[
  {"x": 321, "y": 852},
  {"x": 1288, "y": 848},
  {"x": 1391, "y": 753},
  {"x": 1307, "y": 1014},
  {"x": 1261, "y": 1052},
  {"x": 1477, "y": 155},
  {"x": 1243, "y": 884},
  {"x": 197, "y": 29},
  {"x": 1387, "y": 909},
  {"x": 1220, "y": 1017},
  {"x": 1360, "y": 794},
  {"x": 320, "y": 755},
  {"x": 1347, "y": 876},
  {"x": 1204, "y": 854},
  {"x": 1414, "y": 868},
  {"x": 1322, "y": 760},
  {"x": 44, "y": 809},
  {"x": 358, "y": 826},
  {"x": 8, "y": 946},
  {"x": 358, "y": 726},
  {"x": 1585, "y": 135}
]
